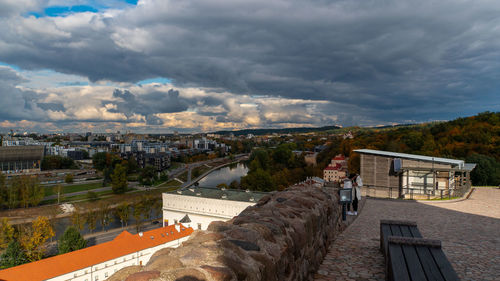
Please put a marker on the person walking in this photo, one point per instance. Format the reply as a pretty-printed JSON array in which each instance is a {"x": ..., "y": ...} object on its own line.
[
  {"x": 357, "y": 184},
  {"x": 348, "y": 184}
]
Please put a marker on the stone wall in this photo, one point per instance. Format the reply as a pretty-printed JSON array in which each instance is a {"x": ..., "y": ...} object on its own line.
[{"x": 283, "y": 237}]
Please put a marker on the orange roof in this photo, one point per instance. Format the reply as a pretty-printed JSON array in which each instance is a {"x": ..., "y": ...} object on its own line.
[
  {"x": 123, "y": 244},
  {"x": 339, "y": 157}
]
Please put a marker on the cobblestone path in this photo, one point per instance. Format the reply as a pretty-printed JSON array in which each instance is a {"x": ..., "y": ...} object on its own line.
[{"x": 469, "y": 231}]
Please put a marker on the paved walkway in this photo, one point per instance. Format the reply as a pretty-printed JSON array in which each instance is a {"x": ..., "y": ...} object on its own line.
[{"x": 469, "y": 231}]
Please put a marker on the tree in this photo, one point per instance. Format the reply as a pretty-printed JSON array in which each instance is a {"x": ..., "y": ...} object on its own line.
[
  {"x": 92, "y": 196},
  {"x": 29, "y": 190},
  {"x": 68, "y": 178},
  {"x": 34, "y": 238},
  {"x": 6, "y": 233},
  {"x": 99, "y": 160},
  {"x": 71, "y": 240},
  {"x": 234, "y": 184},
  {"x": 58, "y": 189},
  {"x": 78, "y": 219},
  {"x": 259, "y": 180},
  {"x": 14, "y": 255},
  {"x": 91, "y": 219},
  {"x": 123, "y": 212},
  {"x": 4, "y": 193},
  {"x": 119, "y": 179},
  {"x": 222, "y": 185},
  {"x": 147, "y": 175},
  {"x": 137, "y": 214},
  {"x": 487, "y": 171},
  {"x": 104, "y": 214}
]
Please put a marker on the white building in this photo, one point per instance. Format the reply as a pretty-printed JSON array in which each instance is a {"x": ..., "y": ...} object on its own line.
[
  {"x": 197, "y": 207},
  {"x": 101, "y": 261}
]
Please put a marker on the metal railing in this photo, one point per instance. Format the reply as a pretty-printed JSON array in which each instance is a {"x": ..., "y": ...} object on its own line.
[{"x": 413, "y": 193}]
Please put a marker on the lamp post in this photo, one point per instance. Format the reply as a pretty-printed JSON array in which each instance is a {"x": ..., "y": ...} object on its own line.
[{"x": 345, "y": 195}]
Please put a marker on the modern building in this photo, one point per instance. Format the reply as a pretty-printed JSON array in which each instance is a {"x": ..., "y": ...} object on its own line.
[
  {"x": 99, "y": 262},
  {"x": 401, "y": 175},
  {"x": 21, "y": 159},
  {"x": 336, "y": 170},
  {"x": 197, "y": 207}
]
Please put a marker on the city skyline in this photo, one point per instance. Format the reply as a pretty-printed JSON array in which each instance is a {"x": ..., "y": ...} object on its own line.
[{"x": 202, "y": 66}]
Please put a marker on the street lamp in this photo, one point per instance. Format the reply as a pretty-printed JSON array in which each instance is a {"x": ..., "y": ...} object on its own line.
[{"x": 345, "y": 195}]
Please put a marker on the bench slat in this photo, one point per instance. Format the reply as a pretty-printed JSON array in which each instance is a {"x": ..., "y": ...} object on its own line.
[
  {"x": 385, "y": 231},
  {"x": 430, "y": 267},
  {"x": 444, "y": 265},
  {"x": 413, "y": 263},
  {"x": 397, "y": 270},
  {"x": 415, "y": 232}
]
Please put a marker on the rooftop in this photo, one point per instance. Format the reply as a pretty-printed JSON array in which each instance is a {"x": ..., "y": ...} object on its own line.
[
  {"x": 454, "y": 162},
  {"x": 123, "y": 244},
  {"x": 216, "y": 193}
]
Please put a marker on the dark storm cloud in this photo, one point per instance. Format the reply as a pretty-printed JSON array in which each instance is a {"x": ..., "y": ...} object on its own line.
[
  {"x": 147, "y": 104},
  {"x": 16, "y": 104},
  {"x": 51, "y": 106},
  {"x": 379, "y": 60}
]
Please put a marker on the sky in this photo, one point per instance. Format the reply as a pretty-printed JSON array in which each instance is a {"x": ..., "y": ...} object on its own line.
[{"x": 160, "y": 66}]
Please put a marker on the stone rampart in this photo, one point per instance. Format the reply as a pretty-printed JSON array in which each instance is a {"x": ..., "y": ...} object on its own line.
[{"x": 283, "y": 237}]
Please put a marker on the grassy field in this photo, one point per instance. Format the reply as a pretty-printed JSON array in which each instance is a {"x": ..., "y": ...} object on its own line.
[
  {"x": 49, "y": 190},
  {"x": 170, "y": 183},
  {"x": 183, "y": 176}
]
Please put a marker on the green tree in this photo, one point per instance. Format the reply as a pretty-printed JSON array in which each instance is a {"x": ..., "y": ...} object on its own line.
[
  {"x": 6, "y": 233},
  {"x": 4, "y": 192},
  {"x": 14, "y": 255},
  {"x": 487, "y": 171},
  {"x": 119, "y": 179},
  {"x": 138, "y": 210},
  {"x": 234, "y": 184},
  {"x": 147, "y": 175},
  {"x": 92, "y": 196},
  {"x": 99, "y": 160},
  {"x": 71, "y": 240},
  {"x": 29, "y": 190},
  {"x": 222, "y": 185},
  {"x": 259, "y": 180}
]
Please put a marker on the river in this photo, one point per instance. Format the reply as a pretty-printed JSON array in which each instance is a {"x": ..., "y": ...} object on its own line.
[{"x": 226, "y": 175}]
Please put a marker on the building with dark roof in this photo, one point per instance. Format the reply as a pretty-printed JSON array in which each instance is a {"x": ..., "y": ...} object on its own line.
[{"x": 17, "y": 159}]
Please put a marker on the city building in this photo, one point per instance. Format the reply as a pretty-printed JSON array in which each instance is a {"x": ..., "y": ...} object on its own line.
[
  {"x": 403, "y": 175},
  {"x": 99, "y": 262},
  {"x": 197, "y": 207},
  {"x": 21, "y": 159},
  {"x": 336, "y": 170}
]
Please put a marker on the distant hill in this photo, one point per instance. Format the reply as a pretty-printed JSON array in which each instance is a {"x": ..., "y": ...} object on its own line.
[{"x": 277, "y": 131}]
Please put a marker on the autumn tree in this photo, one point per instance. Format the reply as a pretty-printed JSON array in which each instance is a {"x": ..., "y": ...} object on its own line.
[
  {"x": 91, "y": 218},
  {"x": 68, "y": 178},
  {"x": 6, "y": 233},
  {"x": 104, "y": 214},
  {"x": 138, "y": 210},
  {"x": 123, "y": 212},
  {"x": 78, "y": 218},
  {"x": 71, "y": 240},
  {"x": 58, "y": 189},
  {"x": 119, "y": 179},
  {"x": 34, "y": 238}
]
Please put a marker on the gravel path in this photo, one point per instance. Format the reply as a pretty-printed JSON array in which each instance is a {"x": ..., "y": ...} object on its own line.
[{"x": 469, "y": 231}]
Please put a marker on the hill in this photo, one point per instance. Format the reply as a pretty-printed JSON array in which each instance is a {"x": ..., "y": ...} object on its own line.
[
  {"x": 278, "y": 131},
  {"x": 475, "y": 139}
]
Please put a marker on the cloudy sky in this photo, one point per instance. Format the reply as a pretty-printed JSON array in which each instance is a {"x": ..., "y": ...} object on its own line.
[{"x": 197, "y": 65}]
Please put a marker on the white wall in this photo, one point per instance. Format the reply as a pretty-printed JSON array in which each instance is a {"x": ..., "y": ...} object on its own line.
[
  {"x": 104, "y": 270},
  {"x": 200, "y": 210}
]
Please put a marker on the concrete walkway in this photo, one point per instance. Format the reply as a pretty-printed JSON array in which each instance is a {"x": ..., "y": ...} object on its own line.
[{"x": 469, "y": 231}]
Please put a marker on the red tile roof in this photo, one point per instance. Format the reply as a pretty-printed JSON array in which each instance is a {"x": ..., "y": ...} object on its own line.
[
  {"x": 123, "y": 244},
  {"x": 339, "y": 157}
]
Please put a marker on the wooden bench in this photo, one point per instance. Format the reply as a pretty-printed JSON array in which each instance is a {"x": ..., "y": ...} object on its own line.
[
  {"x": 396, "y": 228},
  {"x": 415, "y": 259}
]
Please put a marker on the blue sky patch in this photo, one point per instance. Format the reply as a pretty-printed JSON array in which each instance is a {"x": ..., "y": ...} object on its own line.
[{"x": 155, "y": 80}]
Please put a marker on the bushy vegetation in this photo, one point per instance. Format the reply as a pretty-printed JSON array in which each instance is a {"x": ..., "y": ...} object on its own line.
[
  {"x": 52, "y": 162},
  {"x": 275, "y": 169},
  {"x": 475, "y": 139}
]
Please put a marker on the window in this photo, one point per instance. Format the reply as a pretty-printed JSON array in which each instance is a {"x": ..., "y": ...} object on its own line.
[
  {"x": 106, "y": 275},
  {"x": 199, "y": 226},
  {"x": 96, "y": 278},
  {"x": 176, "y": 222},
  {"x": 74, "y": 275}
]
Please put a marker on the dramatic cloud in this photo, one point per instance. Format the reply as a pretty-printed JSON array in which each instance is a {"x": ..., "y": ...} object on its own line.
[{"x": 361, "y": 62}]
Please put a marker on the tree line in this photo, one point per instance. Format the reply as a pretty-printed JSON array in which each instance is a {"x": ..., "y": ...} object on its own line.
[{"x": 475, "y": 139}]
